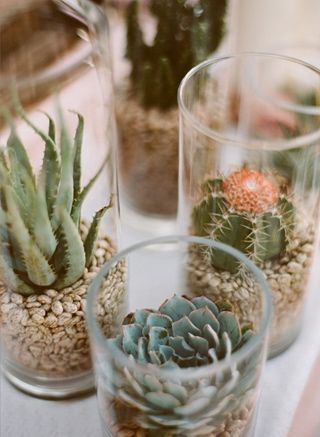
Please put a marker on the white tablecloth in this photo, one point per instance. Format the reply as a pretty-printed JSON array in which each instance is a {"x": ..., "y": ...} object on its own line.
[{"x": 283, "y": 382}]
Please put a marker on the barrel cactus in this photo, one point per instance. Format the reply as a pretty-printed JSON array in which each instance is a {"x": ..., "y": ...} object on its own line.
[
  {"x": 41, "y": 242},
  {"x": 182, "y": 333},
  {"x": 248, "y": 211}
]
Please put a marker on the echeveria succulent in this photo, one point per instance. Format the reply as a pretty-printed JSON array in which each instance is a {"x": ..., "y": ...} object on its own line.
[
  {"x": 41, "y": 244},
  {"x": 182, "y": 332}
]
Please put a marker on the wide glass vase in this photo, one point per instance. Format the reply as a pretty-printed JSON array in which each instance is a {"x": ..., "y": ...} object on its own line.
[
  {"x": 58, "y": 207},
  {"x": 176, "y": 362},
  {"x": 250, "y": 174},
  {"x": 154, "y": 44}
]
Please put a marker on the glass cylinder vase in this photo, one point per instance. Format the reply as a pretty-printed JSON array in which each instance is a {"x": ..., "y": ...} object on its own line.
[
  {"x": 250, "y": 175},
  {"x": 177, "y": 363},
  {"x": 59, "y": 207},
  {"x": 154, "y": 44}
]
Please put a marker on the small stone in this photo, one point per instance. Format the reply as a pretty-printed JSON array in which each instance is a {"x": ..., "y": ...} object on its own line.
[
  {"x": 57, "y": 307},
  {"x": 7, "y": 307},
  {"x": 294, "y": 267},
  {"x": 16, "y": 298},
  {"x": 64, "y": 318},
  {"x": 44, "y": 299},
  {"x": 51, "y": 321},
  {"x": 51, "y": 293},
  {"x": 70, "y": 307}
]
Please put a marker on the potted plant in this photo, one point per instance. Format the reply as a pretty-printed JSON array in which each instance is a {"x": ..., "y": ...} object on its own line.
[
  {"x": 163, "y": 40},
  {"x": 250, "y": 178},
  {"x": 49, "y": 254},
  {"x": 183, "y": 365}
]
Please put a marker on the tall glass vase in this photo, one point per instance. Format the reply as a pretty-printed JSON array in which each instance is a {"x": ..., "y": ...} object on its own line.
[
  {"x": 175, "y": 364},
  {"x": 59, "y": 206},
  {"x": 154, "y": 44},
  {"x": 250, "y": 175}
]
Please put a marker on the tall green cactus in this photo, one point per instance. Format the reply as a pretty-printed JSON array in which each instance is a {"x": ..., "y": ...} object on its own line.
[
  {"x": 187, "y": 32},
  {"x": 247, "y": 211}
]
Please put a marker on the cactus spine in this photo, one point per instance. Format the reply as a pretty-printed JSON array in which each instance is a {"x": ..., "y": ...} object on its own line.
[{"x": 247, "y": 211}]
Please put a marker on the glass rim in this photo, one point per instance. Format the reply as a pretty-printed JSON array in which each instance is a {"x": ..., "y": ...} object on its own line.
[
  {"x": 84, "y": 11},
  {"x": 183, "y": 373},
  {"x": 276, "y": 144}
]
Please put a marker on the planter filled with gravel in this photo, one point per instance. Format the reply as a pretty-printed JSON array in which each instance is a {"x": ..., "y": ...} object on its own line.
[
  {"x": 154, "y": 45},
  {"x": 49, "y": 255},
  {"x": 272, "y": 229},
  {"x": 250, "y": 177}
]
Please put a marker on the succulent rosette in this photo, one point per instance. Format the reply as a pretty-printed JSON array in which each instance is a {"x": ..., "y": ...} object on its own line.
[{"x": 182, "y": 334}]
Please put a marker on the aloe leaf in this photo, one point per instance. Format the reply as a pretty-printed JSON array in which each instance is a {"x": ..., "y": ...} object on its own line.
[
  {"x": 4, "y": 171},
  {"x": 37, "y": 266},
  {"x": 77, "y": 202},
  {"x": 14, "y": 143},
  {"x": 24, "y": 188},
  {"x": 10, "y": 278},
  {"x": 65, "y": 192},
  {"x": 51, "y": 168},
  {"x": 93, "y": 233},
  {"x": 42, "y": 229},
  {"x": 73, "y": 254},
  {"x": 77, "y": 157}
]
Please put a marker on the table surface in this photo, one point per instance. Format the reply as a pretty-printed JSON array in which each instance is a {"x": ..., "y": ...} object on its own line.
[{"x": 283, "y": 382}]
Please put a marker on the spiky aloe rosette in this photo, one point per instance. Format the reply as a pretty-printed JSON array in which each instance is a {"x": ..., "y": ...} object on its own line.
[
  {"x": 182, "y": 333},
  {"x": 41, "y": 244},
  {"x": 248, "y": 211}
]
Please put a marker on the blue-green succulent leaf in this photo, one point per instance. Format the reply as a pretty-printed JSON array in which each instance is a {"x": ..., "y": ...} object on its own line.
[
  {"x": 131, "y": 335},
  {"x": 165, "y": 352},
  {"x": 140, "y": 316},
  {"x": 203, "y": 316},
  {"x": 183, "y": 326},
  {"x": 193, "y": 407},
  {"x": 203, "y": 301},
  {"x": 143, "y": 355},
  {"x": 176, "y": 390},
  {"x": 199, "y": 344},
  {"x": 177, "y": 307},
  {"x": 157, "y": 336},
  {"x": 152, "y": 383},
  {"x": 163, "y": 401},
  {"x": 211, "y": 336},
  {"x": 230, "y": 325},
  {"x": 181, "y": 347}
]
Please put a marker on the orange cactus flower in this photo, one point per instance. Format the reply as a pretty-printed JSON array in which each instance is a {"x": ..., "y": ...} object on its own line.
[{"x": 250, "y": 191}]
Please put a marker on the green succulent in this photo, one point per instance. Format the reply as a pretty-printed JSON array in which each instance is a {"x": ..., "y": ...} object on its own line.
[
  {"x": 247, "y": 211},
  {"x": 41, "y": 244},
  {"x": 187, "y": 33},
  {"x": 181, "y": 333}
]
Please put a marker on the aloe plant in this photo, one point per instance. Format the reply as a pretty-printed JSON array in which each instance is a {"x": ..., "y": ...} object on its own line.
[
  {"x": 182, "y": 333},
  {"x": 248, "y": 211},
  {"x": 41, "y": 243}
]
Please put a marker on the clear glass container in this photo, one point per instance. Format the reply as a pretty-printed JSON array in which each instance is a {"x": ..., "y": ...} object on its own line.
[
  {"x": 154, "y": 44},
  {"x": 59, "y": 205},
  {"x": 249, "y": 172},
  {"x": 153, "y": 377}
]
